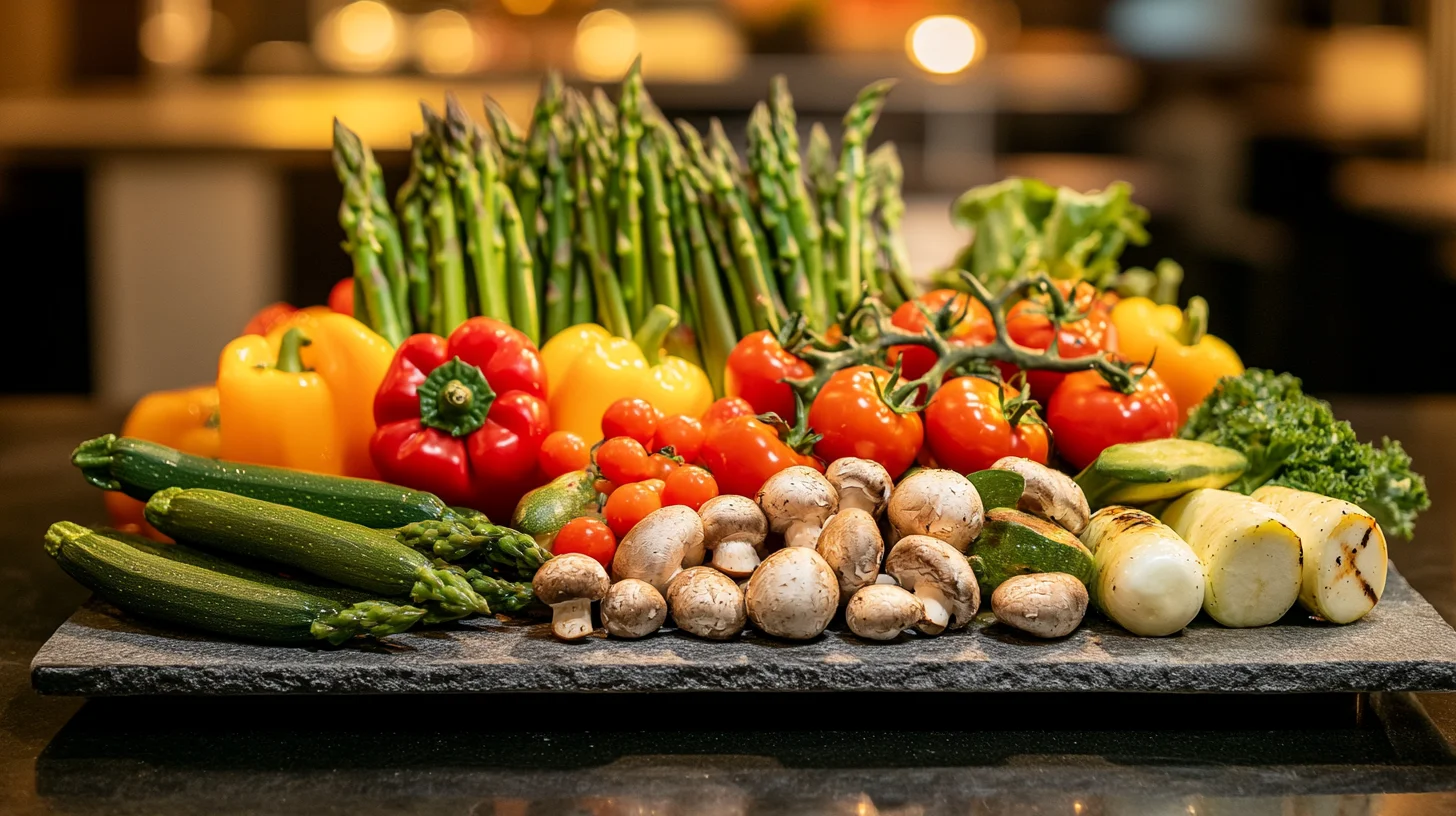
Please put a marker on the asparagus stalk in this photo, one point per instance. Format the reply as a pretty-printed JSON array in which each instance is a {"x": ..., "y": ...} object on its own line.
[
  {"x": 819, "y": 158},
  {"x": 357, "y": 217},
  {"x": 520, "y": 267},
  {"x": 803, "y": 217},
  {"x": 764, "y": 161},
  {"x": 557, "y": 204},
  {"x": 528, "y": 177},
  {"x": 716, "y": 336},
  {"x": 387, "y": 230},
  {"x": 473, "y": 205},
  {"x": 629, "y": 196},
  {"x": 887, "y": 175},
  {"x": 661, "y": 248},
  {"x": 583, "y": 299},
  {"x": 447, "y": 262},
  {"x": 872, "y": 272},
  {"x": 859, "y": 121},
  {"x": 611, "y": 310},
  {"x": 684, "y": 340},
  {"x": 512, "y": 147},
  {"x": 598, "y": 156},
  {"x": 410, "y": 203},
  {"x": 606, "y": 113}
]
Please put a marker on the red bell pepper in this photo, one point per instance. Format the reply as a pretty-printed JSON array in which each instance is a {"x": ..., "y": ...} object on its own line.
[{"x": 464, "y": 417}]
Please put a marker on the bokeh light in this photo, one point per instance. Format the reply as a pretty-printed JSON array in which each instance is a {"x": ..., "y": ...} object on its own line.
[
  {"x": 526, "y": 8},
  {"x": 445, "y": 43},
  {"x": 360, "y": 36},
  {"x": 606, "y": 44},
  {"x": 943, "y": 44}
]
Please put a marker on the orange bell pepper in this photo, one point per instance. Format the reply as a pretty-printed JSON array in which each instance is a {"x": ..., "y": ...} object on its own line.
[{"x": 185, "y": 419}]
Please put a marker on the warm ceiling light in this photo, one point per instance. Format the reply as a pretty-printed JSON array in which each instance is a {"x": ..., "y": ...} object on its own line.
[
  {"x": 175, "y": 32},
  {"x": 360, "y": 36},
  {"x": 445, "y": 43},
  {"x": 526, "y": 8},
  {"x": 943, "y": 44},
  {"x": 606, "y": 44}
]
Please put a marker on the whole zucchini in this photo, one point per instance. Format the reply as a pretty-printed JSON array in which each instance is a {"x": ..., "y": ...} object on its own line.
[
  {"x": 351, "y": 554},
  {"x": 177, "y": 592},
  {"x": 139, "y": 468}
]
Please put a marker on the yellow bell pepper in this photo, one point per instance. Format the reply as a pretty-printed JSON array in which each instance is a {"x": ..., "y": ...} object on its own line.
[
  {"x": 588, "y": 369},
  {"x": 185, "y": 419},
  {"x": 1189, "y": 360},
  {"x": 303, "y": 396}
]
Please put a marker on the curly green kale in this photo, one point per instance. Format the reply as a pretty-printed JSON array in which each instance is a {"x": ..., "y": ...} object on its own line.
[{"x": 1294, "y": 440}]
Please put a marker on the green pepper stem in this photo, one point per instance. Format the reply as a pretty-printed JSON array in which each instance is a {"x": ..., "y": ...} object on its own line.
[
  {"x": 289, "y": 359},
  {"x": 652, "y": 333},
  {"x": 1195, "y": 322}
]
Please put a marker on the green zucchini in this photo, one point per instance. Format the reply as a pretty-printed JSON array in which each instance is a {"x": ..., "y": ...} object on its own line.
[
  {"x": 998, "y": 488},
  {"x": 1014, "y": 543},
  {"x": 1141, "y": 473},
  {"x": 542, "y": 512},
  {"x": 139, "y": 468},
  {"x": 173, "y": 591},
  {"x": 351, "y": 554}
]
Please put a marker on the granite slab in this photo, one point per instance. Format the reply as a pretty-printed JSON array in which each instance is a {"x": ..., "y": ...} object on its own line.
[{"x": 1403, "y": 645}]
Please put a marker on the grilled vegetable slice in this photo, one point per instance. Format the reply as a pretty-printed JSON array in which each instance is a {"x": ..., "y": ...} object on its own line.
[
  {"x": 1250, "y": 555},
  {"x": 1148, "y": 580},
  {"x": 1145, "y": 472},
  {"x": 1015, "y": 543},
  {"x": 1344, "y": 552},
  {"x": 178, "y": 592}
]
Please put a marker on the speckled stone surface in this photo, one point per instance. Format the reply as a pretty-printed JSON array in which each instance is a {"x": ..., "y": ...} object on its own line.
[{"x": 1402, "y": 646}]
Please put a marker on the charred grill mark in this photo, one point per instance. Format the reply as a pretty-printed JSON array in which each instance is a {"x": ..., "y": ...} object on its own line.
[{"x": 1366, "y": 539}]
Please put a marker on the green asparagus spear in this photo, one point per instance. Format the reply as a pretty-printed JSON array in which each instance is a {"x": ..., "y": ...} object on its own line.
[
  {"x": 872, "y": 272},
  {"x": 803, "y": 215},
  {"x": 503, "y": 595},
  {"x": 528, "y": 177},
  {"x": 512, "y": 147},
  {"x": 684, "y": 341},
  {"x": 888, "y": 175},
  {"x": 447, "y": 262},
  {"x": 764, "y": 161},
  {"x": 488, "y": 162},
  {"x": 661, "y": 249},
  {"x": 459, "y": 539},
  {"x": 628, "y": 186},
  {"x": 473, "y": 206},
  {"x": 410, "y": 203},
  {"x": 859, "y": 120},
  {"x": 583, "y": 298},
  {"x": 716, "y": 335},
  {"x": 599, "y": 159},
  {"x": 606, "y": 113},
  {"x": 558, "y": 205},
  {"x": 386, "y": 229},
  {"x": 611, "y": 310},
  {"x": 820, "y": 164},
  {"x": 357, "y": 217},
  {"x": 723, "y": 152},
  {"x": 520, "y": 268}
]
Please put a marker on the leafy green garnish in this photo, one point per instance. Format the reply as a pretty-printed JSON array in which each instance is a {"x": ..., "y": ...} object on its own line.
[{"x": 1294, "y": 440}]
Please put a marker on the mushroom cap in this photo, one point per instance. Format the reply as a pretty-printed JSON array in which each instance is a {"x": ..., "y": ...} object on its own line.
[
  {"x": 882, "y": 611},
  {"x": 733, "y": 517},
  {"x": 706, "y": 603},
  {"x": 852, "y": 546},
  {"x": 852, "y": 475},
  {"x": 1050, "y": 494},
  {"x": 659, "y": 545},
  {"x": 793, "y": 594},
  {"x": 918, "y": 559},
  {"x": 633, "y": 609},
  {"x": 939, "y": 503},
  {"x": 1044, "y": 604},
  {"x": 797, "y": 494},
  {"x": 570, "y": 577}
]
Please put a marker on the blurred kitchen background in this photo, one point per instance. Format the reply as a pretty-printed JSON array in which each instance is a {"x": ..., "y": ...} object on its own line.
[{"x": 164, "y": 165}]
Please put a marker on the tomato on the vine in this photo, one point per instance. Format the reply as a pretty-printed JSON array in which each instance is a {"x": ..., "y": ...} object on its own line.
[
  {"x": 681, "y": 433},
  {"x": 720, "y": 412},
  {"x": 969, "y": 425},
  {"x": 854, "y": 419},
  {"x": 630, "y": 504},
  {"x": 589, "y": 536},
  {"x": 631, "y": 417},
  {"x": 743, "y": 452},
  {"x": 1086, "y": 414},
  {"x": 689, "y": 486},
  {"x": 756, "y": 369},
  {"x": 663, "y": 465},
  {"x": 1028, "y": 325},
  {"x": 975, "y": 328},
  {"x": 623, "y": 460},
  {"x": 562, "y": 452}
]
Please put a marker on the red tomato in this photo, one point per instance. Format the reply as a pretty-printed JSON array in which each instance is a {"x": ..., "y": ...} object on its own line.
[
  {"x": 604, "y": 487},
  {"x": 269, "y": 316},
  {"x": 723, "y": 410},
  {"x": 590, "y": 537},
  {"x": 662, "y": 466},
  {"x": 689, "y": 486},
  {"x": 755, "y": 371},
  {"x": 855, "y": 421},
  {"x": 967, "y": 429},
  {"x": 1086, "y": 414},
  {"x": 628, "y": 505},
  {"x": 681, "y": 433},
  {"x": 631, "y": 417},
  {"x": 622, "y": 459},
  {"x": 341, "y": 297},
  {"x": 975, "y": 329},
  {"x": 655, "y": 485},
  {"x": 1028, "y": 325},
  {"x": 563, "y": 452},
  {"x": 744, "y": 452}
]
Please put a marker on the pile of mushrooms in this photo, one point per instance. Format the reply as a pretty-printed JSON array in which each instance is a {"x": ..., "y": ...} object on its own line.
[{"x": 812, "y": 546}]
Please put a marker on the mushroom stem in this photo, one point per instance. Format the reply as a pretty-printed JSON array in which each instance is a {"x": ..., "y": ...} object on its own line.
[
  {"x": 802, "y": 534},
  {"x": 857, "y": 498},
  {"x": 937, "y": 608},
  {"x": 571, "y": 620},
  {"x": 736, "y": 559}
]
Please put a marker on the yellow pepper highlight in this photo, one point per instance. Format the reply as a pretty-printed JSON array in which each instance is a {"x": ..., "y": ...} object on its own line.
[
  {"x": 185, "y": 419},
  {"x": 303, "y": 397},
  {"x": 588, "y": 369},
  {"x": 1189, "y": 360}
]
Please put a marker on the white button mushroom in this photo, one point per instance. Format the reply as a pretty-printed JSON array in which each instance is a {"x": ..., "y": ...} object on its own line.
[
  {"x": 939, "y": 503},
  {"x": 861, "y": 483},
  {"x": 633, "y": 609},
  {"x": 852, "y": 546},
  {"x": 734, "y": 529},
  {"x": 882, "y": 612},
  {"x": 797, "y": 502},
  {"x": 1049, "y": 493},
  {"x": 940, "y": 577},
  {"x": 706, "y": 603},
  {"x": 568, "y": 584},
  {"x": 793, "y": 594},
  {"x": 659, "y": 546},
  {"x": 1044, "y": 604}
]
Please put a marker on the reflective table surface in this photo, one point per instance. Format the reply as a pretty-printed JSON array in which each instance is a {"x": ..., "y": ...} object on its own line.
[{"x": 1119, "y": 755}]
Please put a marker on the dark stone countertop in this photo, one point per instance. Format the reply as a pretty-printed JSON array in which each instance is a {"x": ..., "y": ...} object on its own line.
[{"x": 699, "y": 753}]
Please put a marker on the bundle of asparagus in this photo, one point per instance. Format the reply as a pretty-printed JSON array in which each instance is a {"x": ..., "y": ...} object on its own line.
[{"x": 599, "y": 211}]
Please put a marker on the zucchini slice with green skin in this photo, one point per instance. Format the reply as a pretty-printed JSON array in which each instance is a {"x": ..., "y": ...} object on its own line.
[
  {"x": 139, "y": 468},
  {"x": 169, "y": 590},
  {"x": 351, "y": 554},
  {"x": 1014, "y": 543},
  {"x": 1141, "y": 473}
]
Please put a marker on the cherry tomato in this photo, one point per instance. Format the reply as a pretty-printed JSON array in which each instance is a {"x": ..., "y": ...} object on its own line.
[
  {"x": 662, "y": 466},
  {"x": 269, "y": 316},
  {"x": 589, "y": 536},
  {"x": 631, "y": 417},
  {"x": 967, "y": 427},
  {"x": 689, "y": 486},
  {"x": 744, "y": 452},
  {"x": 622, "y": 459},
  {"x": 974, "y": 329},
  {"x": 723, "y": 410},
  {"x": 681, "y": 433},
  {"x": 604, "y": 486},
  {"x": 855, "y": 421},
  {"x": 655, "y": 485},
  {"x": 1086, "y": 414},
  {"x": 341, "y": 296},
  {"x": 562, "y": 452},
  {"x": 1027, "y": 325},
  {"x": 756, "y": 369},
  {"x": 628, "y": 505}
]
